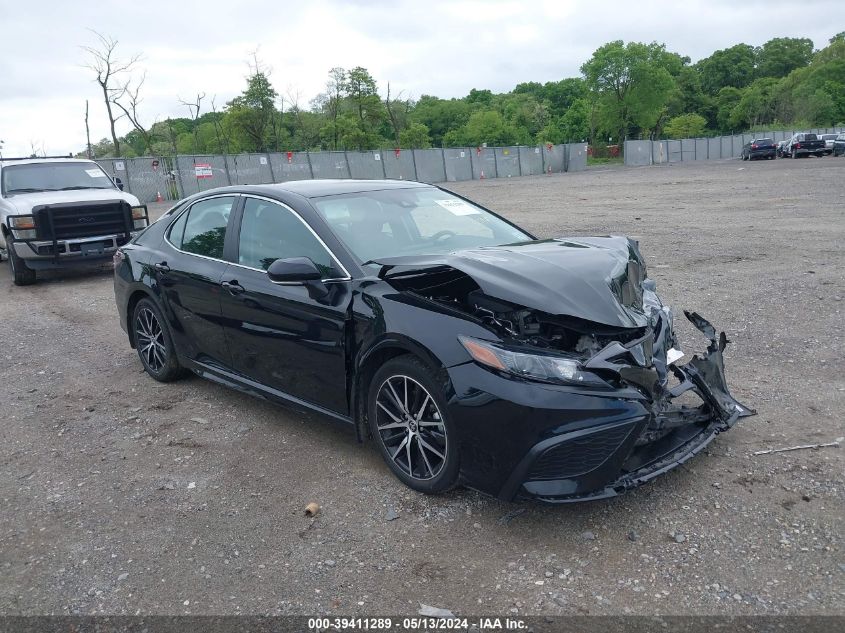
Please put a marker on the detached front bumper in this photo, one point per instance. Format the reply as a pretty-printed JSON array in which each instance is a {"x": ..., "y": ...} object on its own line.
[
  {"x": 647, "y": 447},
  {"x": 526, "y": 440}
]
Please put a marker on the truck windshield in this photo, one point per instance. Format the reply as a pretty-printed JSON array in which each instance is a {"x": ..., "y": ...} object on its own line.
[{"x": 33, "y": 177}]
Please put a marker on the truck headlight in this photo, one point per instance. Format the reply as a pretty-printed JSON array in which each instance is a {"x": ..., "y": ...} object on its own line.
[
  {"x": 534, "y": 365},
  {"x": 22, "y": 226}
]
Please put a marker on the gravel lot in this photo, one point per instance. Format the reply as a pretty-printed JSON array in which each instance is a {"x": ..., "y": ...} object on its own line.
[{"x": 122, "y": 495}]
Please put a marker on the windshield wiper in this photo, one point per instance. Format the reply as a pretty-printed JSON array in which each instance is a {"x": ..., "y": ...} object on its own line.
[
  {"x": 26, "y": 190},
  {"x": 77, "y": 187}
]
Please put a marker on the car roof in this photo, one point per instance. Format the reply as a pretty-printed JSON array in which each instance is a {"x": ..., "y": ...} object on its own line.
[{"x": 327, "y": 187}]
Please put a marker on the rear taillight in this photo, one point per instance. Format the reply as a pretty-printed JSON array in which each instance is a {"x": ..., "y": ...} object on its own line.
[
  {"x": 753, "y": 147},
  {"x": 118, "y": 257},
  {"x": 798, "y": 146}
]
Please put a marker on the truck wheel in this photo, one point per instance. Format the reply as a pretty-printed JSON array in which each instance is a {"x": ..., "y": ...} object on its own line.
[{"x": 22, "y": 275}]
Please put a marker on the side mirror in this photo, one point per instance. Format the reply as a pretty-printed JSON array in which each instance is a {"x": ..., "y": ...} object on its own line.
[
  {"x": 293, "y": 270},
  {"x": 118, "y": 182}
]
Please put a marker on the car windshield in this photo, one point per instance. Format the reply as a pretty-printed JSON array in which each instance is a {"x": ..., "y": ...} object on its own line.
[
  {"x": 54, "y": 176},
  {"x": 828, "y": 137},
  {"x": 396, "y": 222},
  {"x": 764, "y": 141}
]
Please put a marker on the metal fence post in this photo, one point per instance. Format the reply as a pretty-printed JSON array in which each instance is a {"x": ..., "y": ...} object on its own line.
[
  {"x": 270, "y": 165},
  {"x": 443, "y": 158},
  {"x": 414, "y": 159},
  {"x": 126, "y": 172},
  {"x": 348, "y": 167},
  {"x": 310, "y": 166},
  {"x": 383, "y": 168},
  {"x": 519, "y": 158},
  {"x": 496, "y": 162}
]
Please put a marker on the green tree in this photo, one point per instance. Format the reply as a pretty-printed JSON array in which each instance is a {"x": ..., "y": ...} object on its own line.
[
  {"x": 734, "y": 66},
  {"x": 415, "y": 136},
  {"x": 632, "y": 84},
  {"x": 440, "y": 115},
  {"x": 249, "y": 115},
  {"x": 686, "y": 126},
  {"x": 756, "y": 106},
  {"x": 726, "y": 101},
  {"x": 485, "y": 126},
  {"x": 780, "y": 56}
]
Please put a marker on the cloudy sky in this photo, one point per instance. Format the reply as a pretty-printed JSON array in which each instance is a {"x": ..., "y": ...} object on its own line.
[{"x": 438, "y": 47}]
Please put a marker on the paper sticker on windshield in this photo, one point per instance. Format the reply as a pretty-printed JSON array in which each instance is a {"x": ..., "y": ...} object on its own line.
[
  {"x": 458, "y": 207},
  {"x": 95, "y": 173}
]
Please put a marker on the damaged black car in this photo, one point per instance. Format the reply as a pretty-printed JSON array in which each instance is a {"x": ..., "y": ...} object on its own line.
[{"x": 468, "y": 350}]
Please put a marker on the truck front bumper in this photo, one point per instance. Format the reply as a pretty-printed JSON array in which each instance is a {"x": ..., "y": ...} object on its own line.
[{"x": 47, "y": 254}]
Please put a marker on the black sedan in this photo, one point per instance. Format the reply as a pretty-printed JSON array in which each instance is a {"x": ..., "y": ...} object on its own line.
[
  {"x": 759, "y": 148},
  {"x": 468, "y": 350}
]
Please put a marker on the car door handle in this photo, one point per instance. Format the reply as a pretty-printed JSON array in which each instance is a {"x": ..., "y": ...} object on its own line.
[
  {"x": 162, "y": 267},
  {"x": 233, "y": 286}
]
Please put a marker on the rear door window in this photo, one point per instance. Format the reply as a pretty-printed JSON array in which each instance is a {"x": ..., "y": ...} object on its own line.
[{"x": 202, "y": 230}]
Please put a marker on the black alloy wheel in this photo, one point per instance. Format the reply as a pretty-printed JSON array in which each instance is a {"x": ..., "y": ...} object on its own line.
[
  {"x": 154, "y": 343},
  {"x": 408, "y": 420}
]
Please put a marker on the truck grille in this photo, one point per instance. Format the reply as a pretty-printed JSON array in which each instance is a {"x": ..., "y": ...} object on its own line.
[{"x": 70, "y": 221}]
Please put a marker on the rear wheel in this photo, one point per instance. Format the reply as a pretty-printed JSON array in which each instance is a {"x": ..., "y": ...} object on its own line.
[
  {"x": 410, "y": 423},
  {"x": 154, "y": 343},
  {"x": 22, "y": 275}
]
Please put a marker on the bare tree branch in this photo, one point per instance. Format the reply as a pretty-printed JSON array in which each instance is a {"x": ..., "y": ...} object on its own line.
[{"x": 104, "y": 63}]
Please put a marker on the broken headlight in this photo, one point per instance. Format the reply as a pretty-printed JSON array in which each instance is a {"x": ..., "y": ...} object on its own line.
[{"x": 534, "y": 366}]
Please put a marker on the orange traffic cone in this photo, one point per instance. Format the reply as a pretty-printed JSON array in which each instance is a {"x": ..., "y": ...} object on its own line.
[{"x": 158, "y": 197}]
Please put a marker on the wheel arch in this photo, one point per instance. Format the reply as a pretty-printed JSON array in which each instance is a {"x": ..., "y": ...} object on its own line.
[
  {"x": 134, "y": 298},
  {"x": 368, "y": 363}
]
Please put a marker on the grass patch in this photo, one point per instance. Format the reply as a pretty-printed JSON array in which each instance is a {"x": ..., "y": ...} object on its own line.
[{"x": 594, "y": 160}]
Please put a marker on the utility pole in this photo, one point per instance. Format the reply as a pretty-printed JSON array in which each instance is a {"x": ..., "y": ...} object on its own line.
[{"x": 87, "y": 132}]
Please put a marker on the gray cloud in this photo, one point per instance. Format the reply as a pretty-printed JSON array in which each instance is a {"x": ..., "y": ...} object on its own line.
[{"x": 436, "y": 47}]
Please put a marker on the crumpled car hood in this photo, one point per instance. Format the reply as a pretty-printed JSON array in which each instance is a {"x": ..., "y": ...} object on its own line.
[{"x": 597, "y": 279}]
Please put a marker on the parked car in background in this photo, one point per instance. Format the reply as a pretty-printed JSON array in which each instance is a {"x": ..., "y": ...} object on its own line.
[
  {"x": 759, "y": 148},
  {"x": 781, "y": 148},
  {"x": 828, "y": 142},
  {"x": 62, "y": 212},
  {"x": 470, "y": 351},
  {"x": 805, "y": 144},
  {"x": 839, "y": 145}
]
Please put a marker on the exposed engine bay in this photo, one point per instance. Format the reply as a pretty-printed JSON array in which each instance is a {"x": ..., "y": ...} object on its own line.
[{"x": 535, "y": 328}]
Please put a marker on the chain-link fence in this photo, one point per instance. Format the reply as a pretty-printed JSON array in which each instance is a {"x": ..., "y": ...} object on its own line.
[
  {"x": 688, "y": 149},
  {"x": 153, "y": 178}
]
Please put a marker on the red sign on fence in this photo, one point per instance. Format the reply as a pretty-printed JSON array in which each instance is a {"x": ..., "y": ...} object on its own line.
[
  {"x": 203, "y": 170},
  {"x": 290, "y": 157}
]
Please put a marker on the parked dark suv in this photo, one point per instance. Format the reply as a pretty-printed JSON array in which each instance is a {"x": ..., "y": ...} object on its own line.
[
  {"x": 759, "y": 148},
  {"x": 469, "y": 350}
]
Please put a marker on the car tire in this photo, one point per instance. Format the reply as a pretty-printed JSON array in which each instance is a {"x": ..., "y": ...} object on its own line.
[
  {"x": 22, "y": 275},
  {"x": 415, "y": 434},
  {"x": 154, "y": 342}
]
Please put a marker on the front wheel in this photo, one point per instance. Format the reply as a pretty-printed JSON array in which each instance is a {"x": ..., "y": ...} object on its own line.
[
  {"x": 22, "y": 275},
  {"x": 154, "y": 343},
  {"x": 409, "y": 421}
]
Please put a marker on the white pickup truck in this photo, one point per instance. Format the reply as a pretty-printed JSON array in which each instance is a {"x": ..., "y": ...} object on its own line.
[{"x": 61, "y": 212}]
